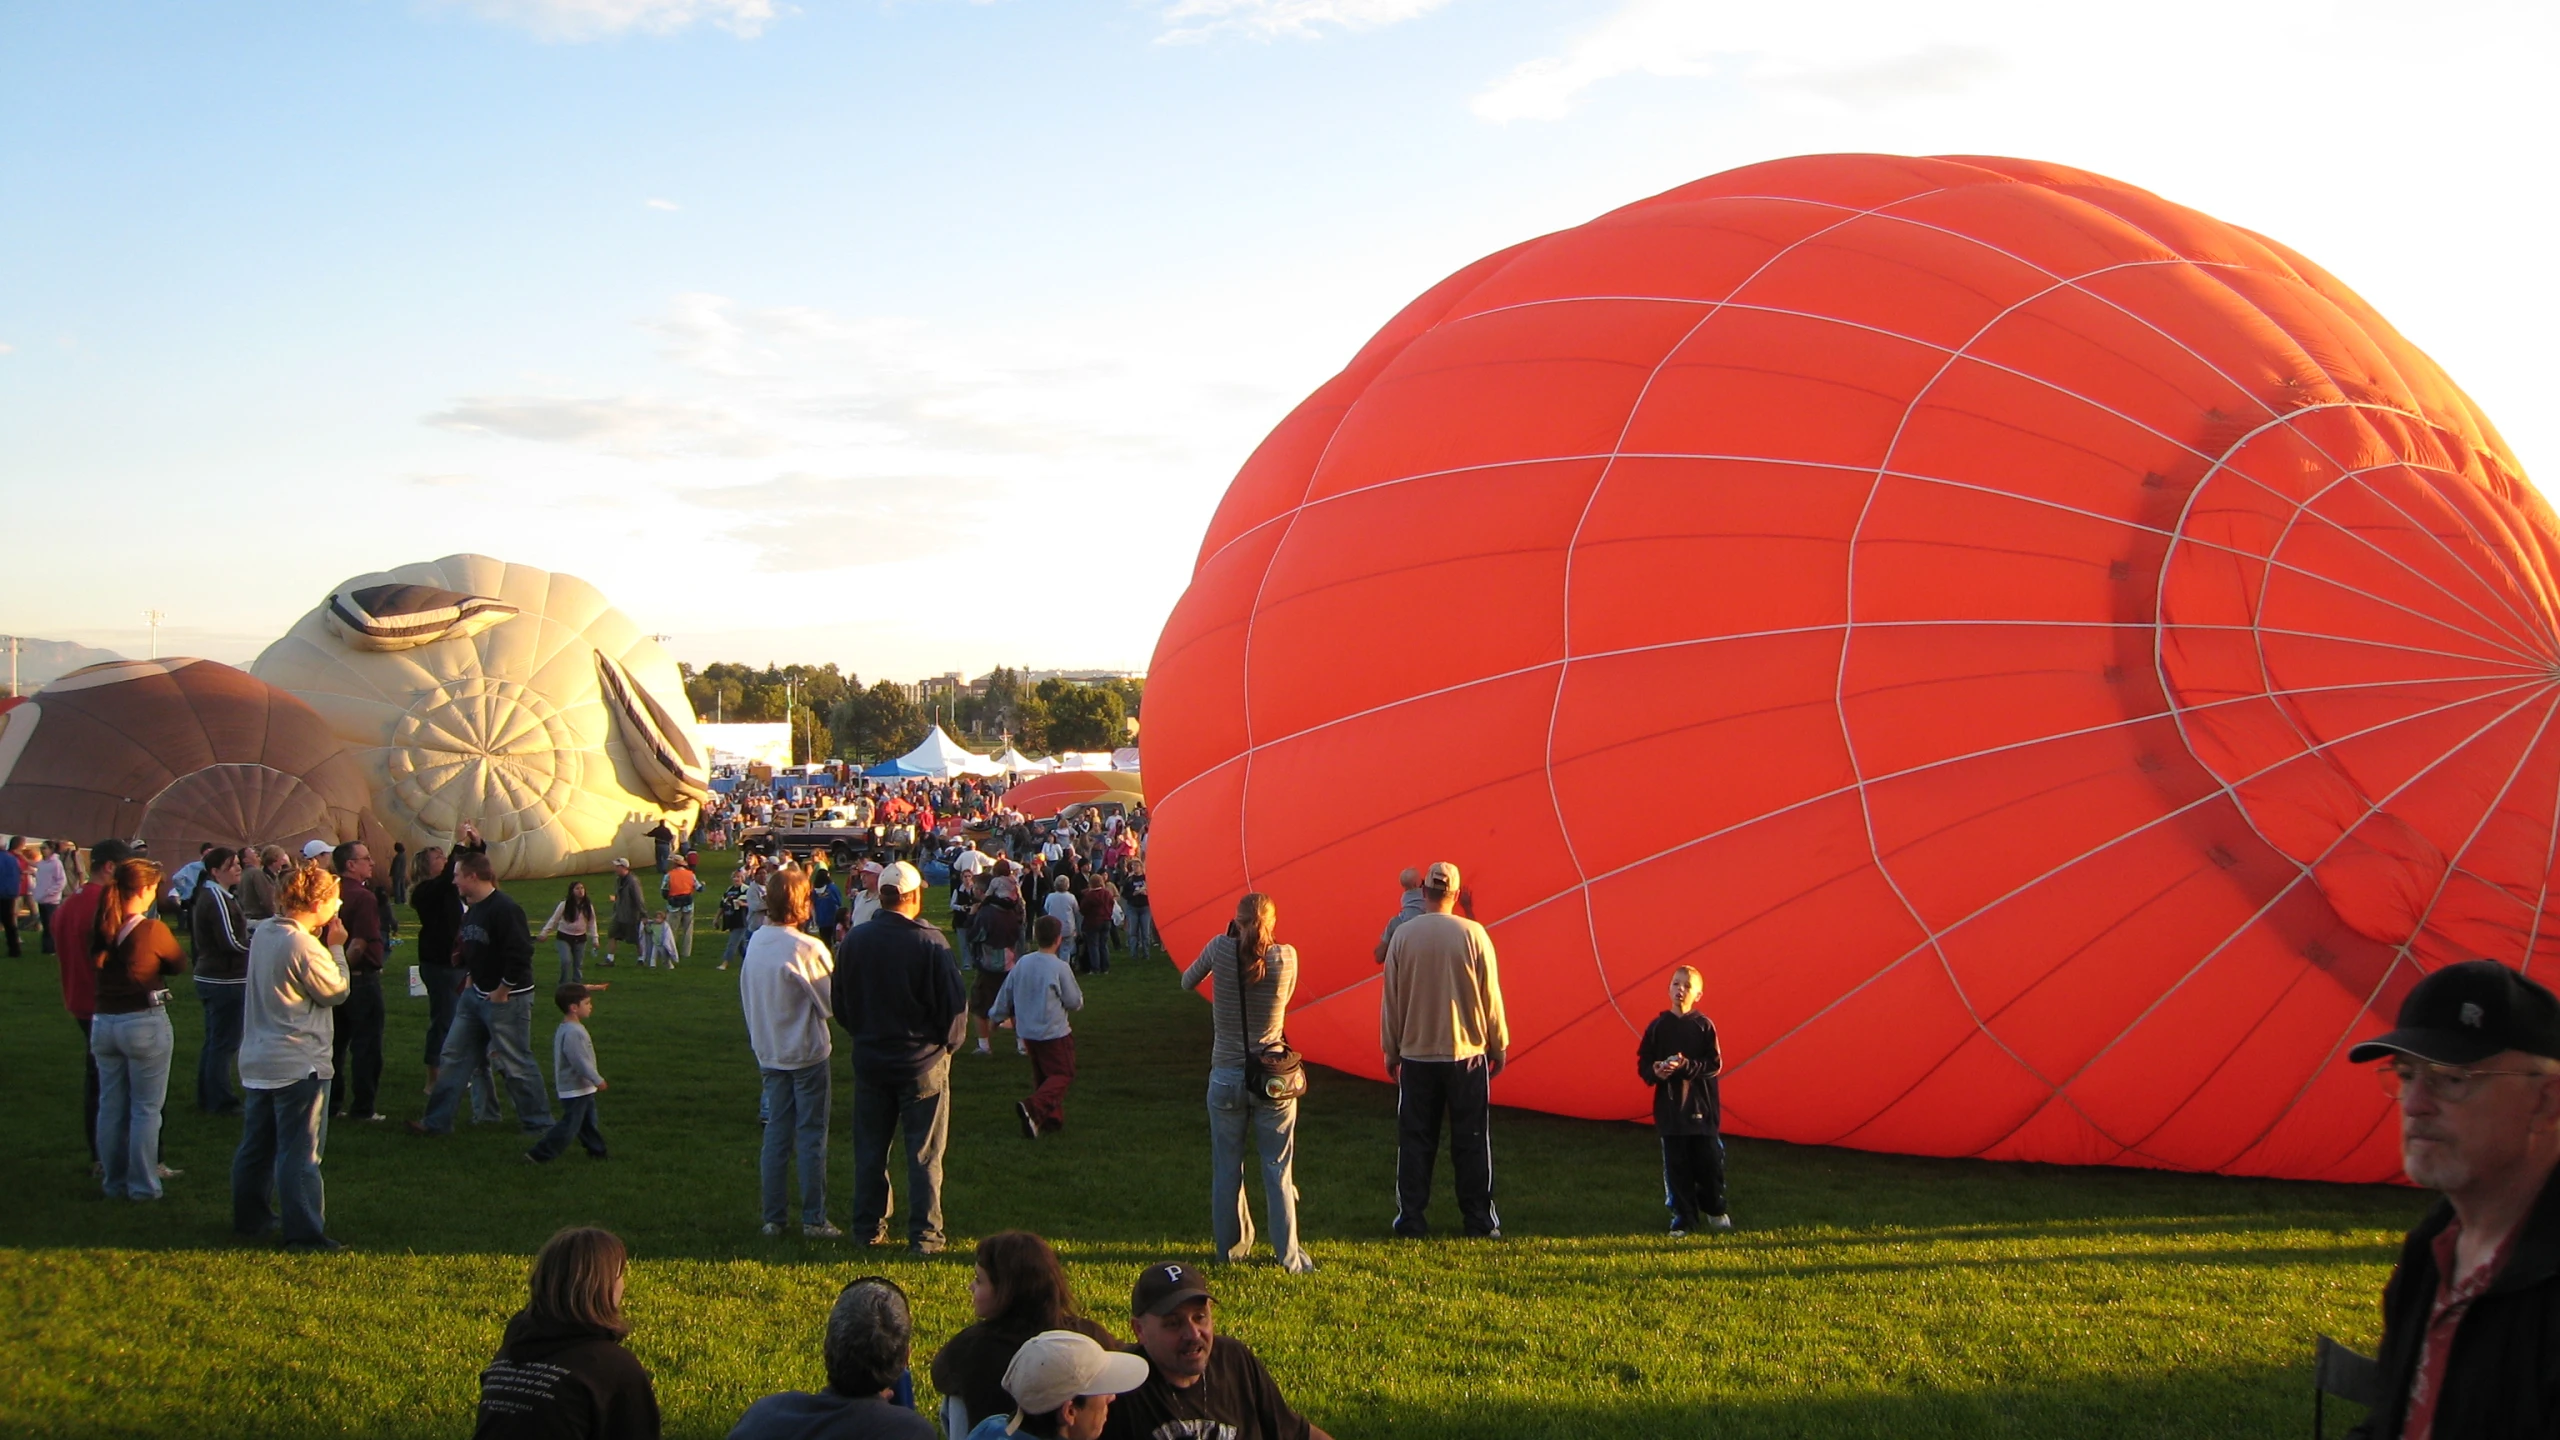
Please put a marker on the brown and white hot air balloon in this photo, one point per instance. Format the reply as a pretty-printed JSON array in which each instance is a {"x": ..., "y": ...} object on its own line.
[{"x": 178, "y": 753}]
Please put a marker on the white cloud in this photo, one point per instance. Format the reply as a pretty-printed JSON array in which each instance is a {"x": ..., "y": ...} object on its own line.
[
  {"x": 634, "y": 427},
  {"x": 1856, "y": 54},
  {"x": 1189, "y": 21},
  {"x": 576, "y": 20},
  {"x": 7, "y": 349},
  {"x": 890, "y": 382},
  {"x": 446, "y": 481},
  {"x": 657, "y": 204},
  {"x": 799, "y": 521}
]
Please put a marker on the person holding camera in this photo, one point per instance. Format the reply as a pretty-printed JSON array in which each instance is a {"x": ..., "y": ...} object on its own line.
[{"x": 1252, "y": 976}]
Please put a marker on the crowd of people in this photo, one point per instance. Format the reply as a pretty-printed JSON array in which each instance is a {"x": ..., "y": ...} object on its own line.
[{"x": 286, "y": 959}]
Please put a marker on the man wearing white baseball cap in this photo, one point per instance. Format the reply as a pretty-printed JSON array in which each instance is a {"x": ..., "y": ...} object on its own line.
[
  {"x": 1062, "y": 1383},
  {"x": 898, "y": 993}
]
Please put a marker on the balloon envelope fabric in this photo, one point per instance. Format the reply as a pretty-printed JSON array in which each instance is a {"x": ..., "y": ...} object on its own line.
[
  {"x": 516, "y": 698},
  {"x": 2060, "y": 666},
  {"x": 179, "y": 753}
]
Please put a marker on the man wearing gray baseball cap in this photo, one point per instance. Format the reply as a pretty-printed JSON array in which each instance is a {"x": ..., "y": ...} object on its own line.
[{"x": 2472, "y": 1310}]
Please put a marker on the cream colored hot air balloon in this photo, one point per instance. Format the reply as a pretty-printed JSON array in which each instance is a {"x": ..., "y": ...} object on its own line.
[{"x": 511, "y": 697}]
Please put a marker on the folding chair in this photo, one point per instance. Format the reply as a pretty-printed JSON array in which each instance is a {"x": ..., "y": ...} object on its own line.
[{"x": 2337, "y": 1370}]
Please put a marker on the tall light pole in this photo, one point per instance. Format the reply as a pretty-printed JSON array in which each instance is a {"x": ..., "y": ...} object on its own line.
[
  {"x": 13, "y": 667},
  {"x": 154, "y": 617}
]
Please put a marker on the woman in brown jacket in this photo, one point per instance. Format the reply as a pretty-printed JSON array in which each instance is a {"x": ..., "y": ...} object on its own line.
[{"x": 130, "y": 1036}]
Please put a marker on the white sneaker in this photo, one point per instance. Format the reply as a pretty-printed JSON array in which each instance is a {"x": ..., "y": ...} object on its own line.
[
  {"x": 983, "y": 1050},
  {"x": 1719, "y": 1222},
  {"x": 1021, "y": 1049}
]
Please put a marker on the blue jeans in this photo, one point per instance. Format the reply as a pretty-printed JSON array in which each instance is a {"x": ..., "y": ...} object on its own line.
[
  {"x": 797, "y": 1104},
  {"x": 282, "y": 1133},
  {"x": 1232, "y": 1110},
  {"x": 222, "y": 1007},
  {"x": 573, "y": 958},
  {"x": 577, "y": 1122},
  {"x": 920, "y": 1106},
  {"x": 502, "y": 1036},
  {"x": 1142, "y": 929},
  {"x": 133, "y": 1079}
]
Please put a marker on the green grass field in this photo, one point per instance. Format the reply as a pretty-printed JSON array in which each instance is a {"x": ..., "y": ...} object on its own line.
[{"x": 1862, "y": 1295}]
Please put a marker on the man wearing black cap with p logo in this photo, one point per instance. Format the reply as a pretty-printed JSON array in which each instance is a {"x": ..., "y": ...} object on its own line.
[
  {"x": 1201, "y": 1385},
  {"x": 2471, "y": 1316}
]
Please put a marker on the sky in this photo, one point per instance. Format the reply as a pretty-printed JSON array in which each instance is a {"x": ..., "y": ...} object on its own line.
[{"x": 925, "y": 335}]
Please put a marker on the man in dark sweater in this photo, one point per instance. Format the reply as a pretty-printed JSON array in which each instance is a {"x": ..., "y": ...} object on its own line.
[
  {"x": 356, "y": 1052},
  {"x": 494, "y": 1020},
  {"x": 2471, "y": 1315},
  {"x": 897, "y": 992},
  {"x": 1200, "y": 1383},
  {"x": 1680, "y": 1059}
]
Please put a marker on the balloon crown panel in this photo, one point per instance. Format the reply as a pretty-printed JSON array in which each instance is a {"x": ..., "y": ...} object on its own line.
[{"x": 2061, "y": 667}]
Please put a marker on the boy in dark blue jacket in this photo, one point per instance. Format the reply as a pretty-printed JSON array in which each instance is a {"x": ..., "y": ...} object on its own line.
[{"x": 1679, "y": 1058}]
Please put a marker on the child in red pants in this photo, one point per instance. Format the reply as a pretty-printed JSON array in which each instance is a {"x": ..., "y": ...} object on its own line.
[{"x": 1038, "y": 992}]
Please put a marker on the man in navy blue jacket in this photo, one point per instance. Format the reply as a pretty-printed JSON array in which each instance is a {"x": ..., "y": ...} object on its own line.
[{"x": 898, "y": 993}]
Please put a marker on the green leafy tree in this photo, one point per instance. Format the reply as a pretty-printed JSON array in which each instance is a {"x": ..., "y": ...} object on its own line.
[
  {"x": 1084, "y": 717},
  {"x": 875, "y": 724}
]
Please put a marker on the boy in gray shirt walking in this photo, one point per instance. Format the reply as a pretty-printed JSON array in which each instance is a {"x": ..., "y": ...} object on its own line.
[
  {"x": 1038, "y": 992},
  {"x": 574, "y": 1077}
]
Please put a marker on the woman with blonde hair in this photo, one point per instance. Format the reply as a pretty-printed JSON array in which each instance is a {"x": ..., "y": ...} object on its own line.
[
  {"x": 129, "y": 1036},
  {"x": 1252, "y": 976},
  {"x": 561, "y": 1372},
  {"x": 297, "y": 975}
]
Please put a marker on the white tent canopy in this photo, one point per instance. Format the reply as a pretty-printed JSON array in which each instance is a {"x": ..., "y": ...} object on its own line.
[
  {"x": 1015, "y": 761},
  {"x": 940, "y": 756}
]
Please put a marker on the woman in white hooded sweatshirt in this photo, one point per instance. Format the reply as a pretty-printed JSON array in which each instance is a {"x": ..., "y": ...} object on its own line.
[{"x": 786, "y": 984}]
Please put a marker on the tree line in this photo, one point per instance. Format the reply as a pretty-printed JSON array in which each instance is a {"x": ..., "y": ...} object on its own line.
[{"x": 834, "y": 716}]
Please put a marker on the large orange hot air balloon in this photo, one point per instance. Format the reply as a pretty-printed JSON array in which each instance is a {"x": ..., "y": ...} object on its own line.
[{"x": 2060, "y": 665}]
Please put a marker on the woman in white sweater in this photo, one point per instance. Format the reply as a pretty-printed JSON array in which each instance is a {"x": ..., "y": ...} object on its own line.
[
  {"x": 297, "y": 974},
  {"x": 787, "y": 987}
]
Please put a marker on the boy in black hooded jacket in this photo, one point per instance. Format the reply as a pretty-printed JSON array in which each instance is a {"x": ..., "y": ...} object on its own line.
[{"x": 1680, "y": 1059}]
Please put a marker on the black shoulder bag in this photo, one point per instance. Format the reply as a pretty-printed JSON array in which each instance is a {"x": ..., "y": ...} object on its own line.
[{"x": 1274, "y": 1072}]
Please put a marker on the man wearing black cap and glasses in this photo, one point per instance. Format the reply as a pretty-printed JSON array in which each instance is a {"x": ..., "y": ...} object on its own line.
[
  {"x": 2471, "y": 1316},
  {"x": 1201, "y": 1385}
]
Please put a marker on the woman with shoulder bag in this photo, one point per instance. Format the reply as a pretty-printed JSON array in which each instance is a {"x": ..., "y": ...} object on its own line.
[{"x": 1255, "y": 1080}]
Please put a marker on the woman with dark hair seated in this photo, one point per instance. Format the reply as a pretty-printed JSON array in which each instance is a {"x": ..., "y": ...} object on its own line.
[
  {"x": 561, "y": 1372},
  {"x": 1019, "y": 1290}
]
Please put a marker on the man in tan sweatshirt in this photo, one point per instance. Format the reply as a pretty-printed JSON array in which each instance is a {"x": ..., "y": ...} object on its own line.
[{"x": 1440, "y": 1025}]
